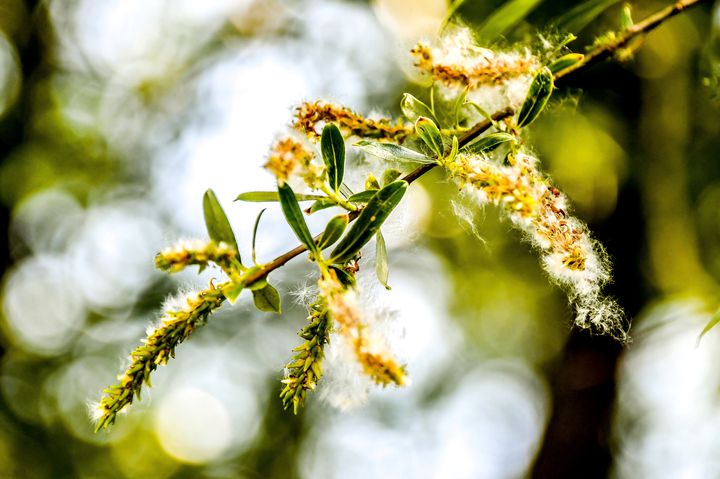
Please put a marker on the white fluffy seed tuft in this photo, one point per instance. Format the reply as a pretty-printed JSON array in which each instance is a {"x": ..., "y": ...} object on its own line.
[{"x": 570, "y": 256}]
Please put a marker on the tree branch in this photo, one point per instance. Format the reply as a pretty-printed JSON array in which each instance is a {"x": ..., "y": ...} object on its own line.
[
  {"x": 600, "y": 53},
  {"x": 642, "y": 28}
]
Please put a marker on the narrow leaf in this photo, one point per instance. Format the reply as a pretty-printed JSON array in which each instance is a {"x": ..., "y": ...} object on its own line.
[
  {"x": 345, "y": 190},
  {"x": 711, "y": 324},
  {"x": 320, "y": 205},
  {"x": 459, "y": 104},
  {"x": 266, "y": 196},
  {"x": 333, "y": 231},
  {"x": 390, "y": 175},
  {"x": 258, "y": 284},
  {"x": 428, "y": 131},
  {"x": 267, "y": 299},
  {"x": 218, "y": 226},
  {"x": 488, "y": 143},
  {"x": 381, "y": 260},
  {"x": 506, "y": 17},
  {"x": 538, "y": 95},
  {"x": 393, "y": 152},
  {"x": 454, "y": 151},
  {"x": 482, "y": 111},
  {"x": 232, "y": 291},
  {"x": 255, "y": 228},
  {"x": 372, "y": 183},
  {"x": 332, "y": 146},
  {"x": 432, "y": 103},
  {"x": 577, "y": 18},
  {"x": 362, "y": 197},
  {"x": 345, "y": 278},
  {"x": 565, "y": 61},
  {"x": 413, "y": 108},
  {"x": 369, "y": 221},
  {"x": 452, "y": 9},
  {"x": 626, "y": 20},
  {"x": 294, "y": 217}
]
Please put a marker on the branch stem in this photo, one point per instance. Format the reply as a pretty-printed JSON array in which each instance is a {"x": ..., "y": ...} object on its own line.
[
  {"x": 600, "y": 53},
  {"x": 641, "y": 28}
]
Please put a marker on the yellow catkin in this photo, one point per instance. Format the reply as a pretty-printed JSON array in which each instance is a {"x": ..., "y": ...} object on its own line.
[
  {"x": 196, "y": 252},
  {"x": 377, "y": 363},
  {"x": 530, "y": 199},
  {"x": 176, "y": 326},
  {"x": 370, "y": 353},
  {"x": 310, "y": 114},
  {"x": 460, "y": 65},
  {"x": 305, "y": 369},
  {"x": 570, "y": 255},
  {"x": 287, "y": 155}
]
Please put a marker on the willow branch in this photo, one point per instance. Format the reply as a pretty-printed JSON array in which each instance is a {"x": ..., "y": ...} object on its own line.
[
  {"x": 478, "y": 129},
  {"x": 641, "y": 28},
  {"x": 600, "y": 53}
]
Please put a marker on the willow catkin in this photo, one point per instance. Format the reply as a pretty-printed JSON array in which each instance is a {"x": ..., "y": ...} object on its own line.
[{"x": 569, "y": 255}]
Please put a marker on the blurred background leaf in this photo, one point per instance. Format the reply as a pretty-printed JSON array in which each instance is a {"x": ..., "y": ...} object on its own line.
[{"x": 116, "y": 116}]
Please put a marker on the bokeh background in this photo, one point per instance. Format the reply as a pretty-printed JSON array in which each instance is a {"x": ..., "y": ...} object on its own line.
[{"x": 116, "y": 115}]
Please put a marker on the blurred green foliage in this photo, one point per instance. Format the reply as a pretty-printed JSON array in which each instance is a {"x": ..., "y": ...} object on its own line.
[{"x": 82, "y": 135}]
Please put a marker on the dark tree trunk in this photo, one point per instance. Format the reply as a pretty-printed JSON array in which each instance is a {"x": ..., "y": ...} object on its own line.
[{"x": 576, "y": 442}]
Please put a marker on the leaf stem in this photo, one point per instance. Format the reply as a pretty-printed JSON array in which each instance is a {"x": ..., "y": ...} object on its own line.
[{"x": 337, "y": 198}]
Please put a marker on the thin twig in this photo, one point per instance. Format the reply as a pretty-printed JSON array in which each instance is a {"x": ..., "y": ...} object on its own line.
[
  {"x": 600, "y": 53},
  {"x": 641, "y": 28},
  {"x": 478, "y": 129}
]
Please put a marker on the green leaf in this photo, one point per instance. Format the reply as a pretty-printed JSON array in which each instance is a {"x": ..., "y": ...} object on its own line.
[
  {"x": 232, "y": 291},
  {"x": 413, "y": 108},
  {"x": 577, "y": 18},
  {"x": 453, "y": 151},
  {"x": 369, "y": 221},
  {"x": 381, "y": 260},
  {"x": 218, "y": 226},
  {"x": 333, "y": 231},
  {"x": 258, "y": 284},
  {"x": 459, "y": 104},
  {"x": 371, "y": 183},
  {"x": 393, "y": 152},
  {"x": 482, "y": 111},
  {"x": 265, "y": 196},
  {"x": 488, "y": 143},
  {"x": 538, "y": 95},
  {"x": 255, "y": 228},
  {"x": 322, "y": 204},
  {"x": 711, "y": 324},
  {"x": 428, "y": 131},
  {"x": 432, "y": 103},
  {"x": 565, "y": 61},
  {"x": 343, "y": 276},
  {"x": 390, "y": 175},
  {"x": 267, "y": 299},
  {"x": 506, "y": 17},
  {"x": 294, "y": 217},
  {"x": 332, "y": 146},
  {"x": 363, "y": 196},
  {"x": 626, "y": 20},
  {"x": 345, "y": 190},
  {"x": 569, "y": 38}
]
